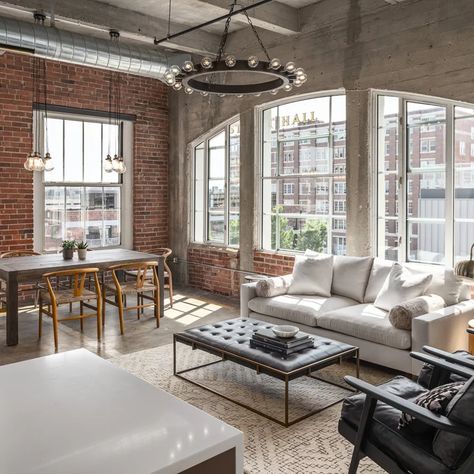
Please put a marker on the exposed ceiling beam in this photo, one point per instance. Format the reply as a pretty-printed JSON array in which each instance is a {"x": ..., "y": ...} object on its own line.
[
  {"x": 273, "y": 16},
  {"x": 132, "y": 25}
]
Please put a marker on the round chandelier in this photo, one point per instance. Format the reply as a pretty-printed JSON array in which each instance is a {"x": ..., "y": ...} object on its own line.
[{"x": 227, "y": 75}]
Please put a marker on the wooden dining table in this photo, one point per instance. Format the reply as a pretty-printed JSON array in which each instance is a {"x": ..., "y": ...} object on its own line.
[{"x": 30, "y": 269}]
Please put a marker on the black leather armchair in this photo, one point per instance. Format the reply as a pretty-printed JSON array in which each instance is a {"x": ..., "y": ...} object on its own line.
[{"x": 369, "y": 420}]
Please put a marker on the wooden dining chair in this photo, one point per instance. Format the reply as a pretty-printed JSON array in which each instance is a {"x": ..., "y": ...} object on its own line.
[
  {"x": 54, "y": 296},
  {"x": 141, "y": 285},
  {"x": 3, "y": 293},
  {"x": 164, "y": 252}
]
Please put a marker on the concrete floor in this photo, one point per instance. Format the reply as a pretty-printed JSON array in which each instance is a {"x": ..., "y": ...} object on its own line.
[{"x": 192, "y": 307}]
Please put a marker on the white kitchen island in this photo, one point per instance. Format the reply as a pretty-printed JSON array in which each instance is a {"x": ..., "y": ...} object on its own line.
[{"x": 75, "y": 412}]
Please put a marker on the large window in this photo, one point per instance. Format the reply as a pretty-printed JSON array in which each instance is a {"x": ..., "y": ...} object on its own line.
[
  {"x": 216, "y": 209},
  {"x": 304, "y": 198},
  {"x": 426, "y": 195},
  {"x": 78, "y": 200}
]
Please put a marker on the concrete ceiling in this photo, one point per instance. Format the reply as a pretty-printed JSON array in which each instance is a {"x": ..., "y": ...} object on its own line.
[{"x": 140, "y": 21}]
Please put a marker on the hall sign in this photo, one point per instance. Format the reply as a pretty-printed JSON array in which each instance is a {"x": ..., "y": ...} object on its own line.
[{"x": 303, "y": 118}]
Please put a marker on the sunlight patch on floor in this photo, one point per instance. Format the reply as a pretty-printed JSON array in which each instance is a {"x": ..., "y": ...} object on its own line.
[{"x": 189, "y": 310}]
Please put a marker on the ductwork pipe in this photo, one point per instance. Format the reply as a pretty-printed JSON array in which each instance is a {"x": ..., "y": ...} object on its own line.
[{"x": 76, "y": 48}]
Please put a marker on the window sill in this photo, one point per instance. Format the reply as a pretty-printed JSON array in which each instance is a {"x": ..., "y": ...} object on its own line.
[{"x": 221, "y": 248}]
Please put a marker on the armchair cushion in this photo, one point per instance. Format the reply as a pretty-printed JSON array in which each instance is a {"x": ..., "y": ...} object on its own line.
[
  {"x": 411, "y": 451},
  {"x": 452, "y": 448},
  {"x": 436, "y": 400}
]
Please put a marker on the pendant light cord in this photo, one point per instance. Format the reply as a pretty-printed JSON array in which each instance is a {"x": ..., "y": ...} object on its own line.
[{"x": 45, "y": 96}]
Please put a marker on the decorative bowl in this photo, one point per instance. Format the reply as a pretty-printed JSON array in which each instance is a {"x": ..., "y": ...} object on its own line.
[{"x": 285, "y": 331}]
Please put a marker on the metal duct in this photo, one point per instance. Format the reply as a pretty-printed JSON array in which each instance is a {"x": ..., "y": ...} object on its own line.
[{"x": 71, "y": 47}]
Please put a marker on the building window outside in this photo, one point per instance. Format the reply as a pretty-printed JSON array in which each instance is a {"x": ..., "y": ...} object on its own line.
[
  {"x": 317, "y": 127},
  {"x": 435, "y": 217},
  {"x": 216, "y": 190},
  {"x": 78, "y": 199}
]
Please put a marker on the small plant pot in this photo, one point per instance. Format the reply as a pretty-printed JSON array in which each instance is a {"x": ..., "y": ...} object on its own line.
[
  {"x": 68, "y": 254},
  {"x": 82, "y": 253}
]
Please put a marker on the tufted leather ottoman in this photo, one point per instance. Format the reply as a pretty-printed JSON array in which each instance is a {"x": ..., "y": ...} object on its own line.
[{"x": 231, "y": 341}]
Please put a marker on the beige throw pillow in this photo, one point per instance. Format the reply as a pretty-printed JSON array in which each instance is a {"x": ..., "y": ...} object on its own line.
[
  {"x": 401, "y": 285},
  {"x": 401, "y": 315},
  {"x": 273, "y": 286},
  {"x": 312, "y": 275}
]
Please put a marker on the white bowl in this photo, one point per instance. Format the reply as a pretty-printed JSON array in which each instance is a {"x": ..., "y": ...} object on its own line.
[{"x": 285, "y": 331}]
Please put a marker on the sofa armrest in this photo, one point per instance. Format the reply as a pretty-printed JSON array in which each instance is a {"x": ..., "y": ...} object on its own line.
[
  {"x": 444, "y": 328},
  {"x": 247, "y": 292}
]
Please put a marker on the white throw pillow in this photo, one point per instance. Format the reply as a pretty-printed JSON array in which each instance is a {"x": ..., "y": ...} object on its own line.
[
  {"x": 378, "y": 274},
  {"x": 447, "y": 285},
  {"x": 401, "y": 285},
  {"x": 350, "y": 276},
  {"x": 273, "y": 286},
  {"x": 312, "y": 275}
]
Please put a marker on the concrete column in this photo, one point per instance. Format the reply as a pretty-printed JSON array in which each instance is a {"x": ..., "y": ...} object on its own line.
[
  {"x": 359, "y": 174},
  {"x": 248, "y": 190}
]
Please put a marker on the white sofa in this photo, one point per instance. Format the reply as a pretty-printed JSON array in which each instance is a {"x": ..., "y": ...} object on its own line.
[{"x": 359, "y": 322}]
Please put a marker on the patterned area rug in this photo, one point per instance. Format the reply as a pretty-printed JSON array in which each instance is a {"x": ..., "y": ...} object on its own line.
[{"x": 310, "y": 446}]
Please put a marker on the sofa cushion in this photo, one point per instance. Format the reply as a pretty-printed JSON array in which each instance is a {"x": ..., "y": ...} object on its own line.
[
  {"x": 447, "y": 285},
  {"x": 302, "y": 309},
  {"x": 414, "y": 453},
  {"x": 378, "y": 274},
  {"x": 350, "y": 276},
  {"x": 365, "y": 321},
  {"x": 402, "y": 314},
  {"x": 402, "y": 284},
  {"x": 273, "y": 286},
  {"x": 312, "y": 275}
]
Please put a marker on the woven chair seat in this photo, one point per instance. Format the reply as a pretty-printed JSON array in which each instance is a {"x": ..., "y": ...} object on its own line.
[
  {"x": 131, "y": 287},
  {"x": 67, "y": 296}
]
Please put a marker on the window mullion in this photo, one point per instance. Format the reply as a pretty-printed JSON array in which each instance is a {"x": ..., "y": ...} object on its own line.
[
  {"x": 449, "y": 177},
  {"x": 403, "y": 144}
]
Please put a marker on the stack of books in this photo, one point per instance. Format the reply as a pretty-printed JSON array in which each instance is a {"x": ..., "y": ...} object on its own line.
[{"x": 266, "y": 339}]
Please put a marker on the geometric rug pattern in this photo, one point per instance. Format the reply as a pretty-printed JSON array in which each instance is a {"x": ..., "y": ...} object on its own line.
[{"x": 310, "y": 446}]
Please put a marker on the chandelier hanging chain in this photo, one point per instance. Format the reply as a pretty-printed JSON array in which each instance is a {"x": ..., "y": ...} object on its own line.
[
  {"x": 169, "y": 19},
  {"x": 260, "y": 42},
  {"x": 226, "y": 32}
]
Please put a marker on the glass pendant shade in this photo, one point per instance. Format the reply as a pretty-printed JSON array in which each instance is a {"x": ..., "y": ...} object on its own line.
[
  {"x": 115, "y": 163},
  {"x": 48, "y": 164},
  {"x": 108, "y": 164},
  {"x": 121, "y": 168},
  {"x": 34, "y": 162}
]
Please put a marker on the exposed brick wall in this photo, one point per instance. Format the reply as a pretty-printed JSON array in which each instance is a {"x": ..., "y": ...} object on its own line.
[
  {"x": 271, "y": 263},
  {"x": 76, "y": 86},
  {"x": 212, "y": 269}
]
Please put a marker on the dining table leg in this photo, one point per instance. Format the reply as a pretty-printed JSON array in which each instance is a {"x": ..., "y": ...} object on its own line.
[
  {"x": 12, "y": 310},
  {"x": 161, "y": 280}
]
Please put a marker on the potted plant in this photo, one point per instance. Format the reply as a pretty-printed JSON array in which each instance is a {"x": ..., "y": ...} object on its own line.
[
  {"x": 68, "y": 249},
  {"x": 82, "y": 250}
]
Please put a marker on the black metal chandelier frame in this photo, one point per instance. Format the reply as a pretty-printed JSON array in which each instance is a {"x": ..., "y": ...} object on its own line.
[{"x": 204, "y": 77}]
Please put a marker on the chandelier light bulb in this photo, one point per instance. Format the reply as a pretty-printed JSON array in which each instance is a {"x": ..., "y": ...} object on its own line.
[
  {"x": 177, "y": 86},
  {"x": 230, "y": 61},
  {"x": 170, "y": 80},
  {"x": 108, "y": 164},
  {"x": 206, "y": 62},
  {"x": 221, "y": 95},
  {"x": 253, "y": 61},
  {"x": 188, "y": 90},
  {"x": 275, "y": 63},
  {"x": 287, "y": 87},
  {"x": 274, "y": 92},
  {"x": 175, "y": 69},
  {"x": 258, "y": 95},
  {"x": 298, "y": 82},
  {"x": 168, "y": 74},
  {"x": 303, "y": 78},
  {"x": 188, "y": 66},
  {"x": 204, "y": 93},
  {"x": 299, "y": 71},
  {"x": 290, "y": 67}
]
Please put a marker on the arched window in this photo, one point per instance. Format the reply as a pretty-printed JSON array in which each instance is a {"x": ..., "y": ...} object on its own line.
[
  {"x": 303, "y": 175},
  {"x": 216, "y": 190}
]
